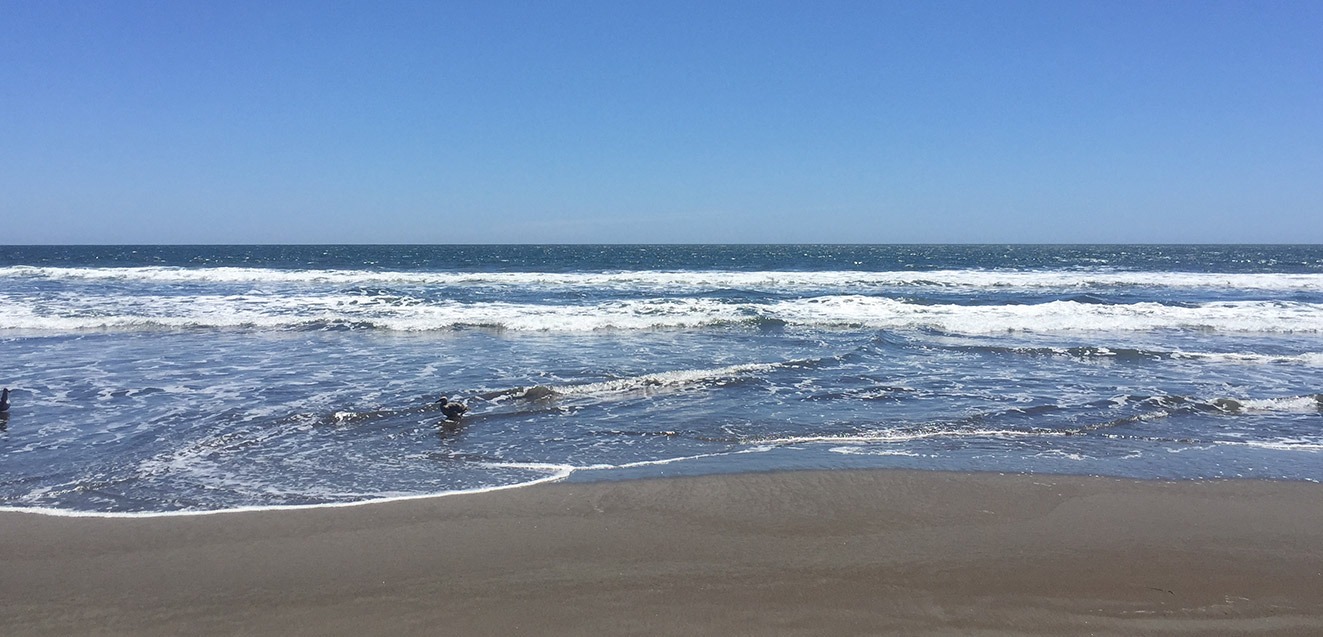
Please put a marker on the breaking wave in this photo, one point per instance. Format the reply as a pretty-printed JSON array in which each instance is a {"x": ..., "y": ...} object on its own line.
[
  {"x": 405, "y": 314},
  {"x": 645, "y": 383},
  {"x": 1312, "y": 359},
  {"x": 688, "y": 280}
]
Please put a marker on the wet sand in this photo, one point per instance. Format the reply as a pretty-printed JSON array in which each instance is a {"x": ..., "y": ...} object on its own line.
[{"x": 844, "y": 552}]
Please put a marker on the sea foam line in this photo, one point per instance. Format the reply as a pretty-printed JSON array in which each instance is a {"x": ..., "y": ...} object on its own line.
[
  {"x": 898, "y": 436},
  {"x": 1292, "y": 444},
  {"x": 560, "y": 472}
]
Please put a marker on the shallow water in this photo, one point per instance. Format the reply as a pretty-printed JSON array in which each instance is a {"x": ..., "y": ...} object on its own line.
[{"x": 202, "y": 378}]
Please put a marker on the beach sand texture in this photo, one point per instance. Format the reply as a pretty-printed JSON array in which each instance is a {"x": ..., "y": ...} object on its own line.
[{"x": 825, "y": 552}]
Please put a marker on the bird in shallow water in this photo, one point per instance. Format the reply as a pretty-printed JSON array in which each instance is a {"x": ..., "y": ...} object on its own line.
[
  {"x": 452, "y": 410},
  {"x": 4, "y": 401}
]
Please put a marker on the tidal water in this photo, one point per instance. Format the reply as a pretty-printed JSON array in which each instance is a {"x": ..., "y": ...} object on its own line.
[{"x": 156, "y": 379}]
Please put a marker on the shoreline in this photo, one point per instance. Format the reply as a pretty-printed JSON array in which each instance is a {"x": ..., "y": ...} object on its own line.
[
  {"x": 810, "y": 552},
  {"x": 567, "y": 477}
]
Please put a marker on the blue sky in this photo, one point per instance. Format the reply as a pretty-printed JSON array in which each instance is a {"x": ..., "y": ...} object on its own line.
[{"x": 582, "y": 122}]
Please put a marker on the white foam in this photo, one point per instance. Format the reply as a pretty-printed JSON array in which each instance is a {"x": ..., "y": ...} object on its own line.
[
  {"x": 1290, "y": 404},
  {"x": 893, "y": 436},
  {"x": 665, "y": 461},
  {"x": 865, "y": 451},
  {"x": 1312, "y": 359},
  {"x": 1057, "y": 316},
  {"x": 1058, "y": 453},
  {"x": 1285, "y": 444},
  {"x": 284, "y": 311},
  {"x": 773, "y": 281},
  {"x": 678, "y": 378}
]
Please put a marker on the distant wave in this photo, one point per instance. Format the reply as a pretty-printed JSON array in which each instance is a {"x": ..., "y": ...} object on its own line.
[
  {"x": 690, "y": 280},
  {"x": 69, "y": 313}
]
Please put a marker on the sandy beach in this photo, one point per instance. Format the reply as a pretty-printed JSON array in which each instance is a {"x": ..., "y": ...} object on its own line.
[{"x": 844, "y": 552}]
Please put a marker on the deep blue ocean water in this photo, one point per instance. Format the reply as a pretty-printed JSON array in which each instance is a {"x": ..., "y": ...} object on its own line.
[{"x": 178, "y": 378}]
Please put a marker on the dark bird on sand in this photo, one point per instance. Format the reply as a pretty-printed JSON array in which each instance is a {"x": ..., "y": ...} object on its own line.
[
  {"x": 452, "y": 410},
  {"x": 4, "y": 401}
]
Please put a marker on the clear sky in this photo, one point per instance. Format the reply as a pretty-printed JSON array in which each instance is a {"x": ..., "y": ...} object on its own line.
[{"x": 484, "y": 121}]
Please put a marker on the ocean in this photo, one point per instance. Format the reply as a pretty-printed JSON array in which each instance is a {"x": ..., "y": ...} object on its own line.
[{"x": 166, "y": 379}]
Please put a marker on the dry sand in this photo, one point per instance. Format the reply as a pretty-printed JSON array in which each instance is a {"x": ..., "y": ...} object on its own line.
[{"x": 844, "y": 552}]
